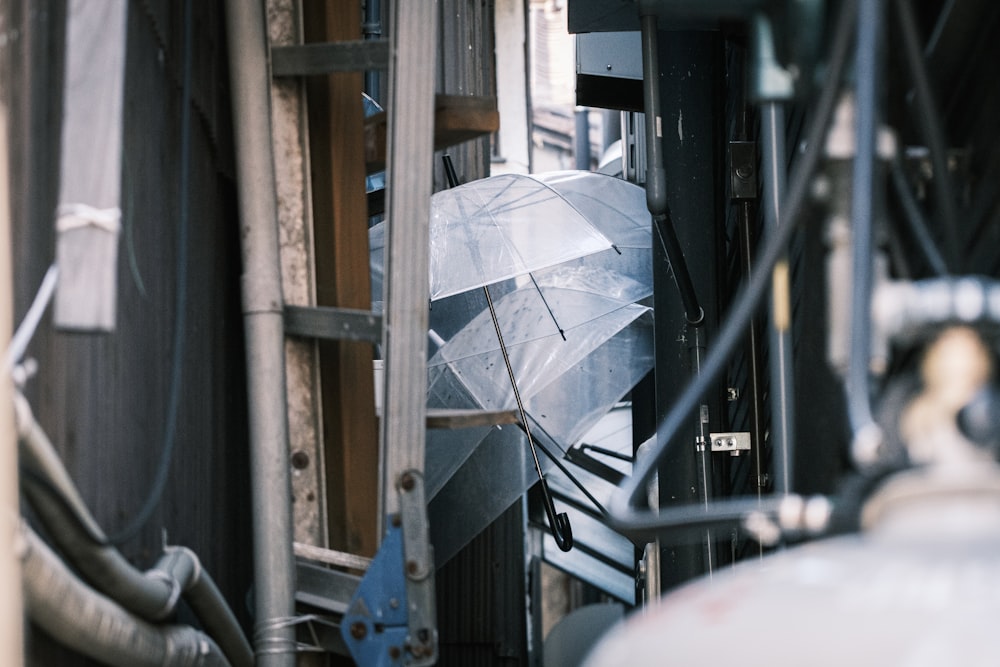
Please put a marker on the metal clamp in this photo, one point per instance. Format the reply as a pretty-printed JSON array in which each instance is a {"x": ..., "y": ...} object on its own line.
[{"x": 734, "y": 443}]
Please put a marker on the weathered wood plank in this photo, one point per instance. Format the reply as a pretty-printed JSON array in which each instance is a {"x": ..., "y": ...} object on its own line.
[
  {"x": 340, "y": 213},
  {"x": 457, "y": 119}
]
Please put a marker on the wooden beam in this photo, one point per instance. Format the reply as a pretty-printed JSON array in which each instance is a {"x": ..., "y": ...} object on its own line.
[
  {"x": 452, "y": 419},
  {"x": 340, "y": 215},
  {"x": 457, "y": 118}
]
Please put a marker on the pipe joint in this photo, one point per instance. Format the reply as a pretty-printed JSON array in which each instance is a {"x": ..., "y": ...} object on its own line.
[{"x": 656, "y": 191}]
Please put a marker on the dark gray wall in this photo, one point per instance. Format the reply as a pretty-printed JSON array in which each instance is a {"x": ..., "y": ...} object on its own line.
[{"x": 103, "y": 398}]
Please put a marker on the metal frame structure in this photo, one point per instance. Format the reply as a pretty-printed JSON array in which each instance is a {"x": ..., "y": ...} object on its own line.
[{"x": 411, "y": 60}]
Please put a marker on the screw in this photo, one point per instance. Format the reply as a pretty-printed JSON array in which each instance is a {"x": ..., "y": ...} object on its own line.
[
  {"x": 744, "y": 171},
  {"x": 300, "y": 460},
  {"x": 358, "y": 630},
  {"x": 608, "y": 66},
  {"x": 412, "y": 567},
  {"x": 406, "y": 481},
  {"x": 394, "y": 652},
  {"x": 394, "y": 603}
]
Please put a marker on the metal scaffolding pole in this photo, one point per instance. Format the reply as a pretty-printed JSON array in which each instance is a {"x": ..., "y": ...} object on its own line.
[{"x": 274, "y": 565}]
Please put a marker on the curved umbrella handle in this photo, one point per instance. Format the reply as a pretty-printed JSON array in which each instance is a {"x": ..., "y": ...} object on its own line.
[{"x": 559, "y": 524}]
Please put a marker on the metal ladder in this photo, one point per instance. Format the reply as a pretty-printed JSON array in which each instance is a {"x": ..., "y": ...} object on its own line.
[{"x": 386, "y": 616}]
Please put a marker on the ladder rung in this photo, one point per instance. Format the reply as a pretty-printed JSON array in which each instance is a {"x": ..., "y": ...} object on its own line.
[
  {"x": 327, "y": 57},
  {"x": 333, "y": 323},
  {"x": 451, "y": 419},
  {"x": 323, "y": 588}
]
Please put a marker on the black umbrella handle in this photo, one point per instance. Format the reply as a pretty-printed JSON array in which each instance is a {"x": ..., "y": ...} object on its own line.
[
  {"x": 562, "y": 531},
  {"x": 449, "y": 171}
]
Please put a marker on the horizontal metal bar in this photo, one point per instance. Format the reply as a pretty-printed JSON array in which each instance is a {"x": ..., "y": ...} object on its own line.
[
  {"x": 328, "y": 57},
  {"x": 331, "y": 557},
  {"x": 333, "y": 323},
  {"x": 323, "y": 588}
]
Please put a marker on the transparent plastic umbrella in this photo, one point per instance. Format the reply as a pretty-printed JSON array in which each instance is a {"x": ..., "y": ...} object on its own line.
[
  {"x": 616, "y": 208},
  {"x": 566, "y": 384},
  {"x": 565, "y": 302}
]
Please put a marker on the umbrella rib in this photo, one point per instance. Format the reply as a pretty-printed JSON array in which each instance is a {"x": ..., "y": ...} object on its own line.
[{"x": 547, "y": 307}]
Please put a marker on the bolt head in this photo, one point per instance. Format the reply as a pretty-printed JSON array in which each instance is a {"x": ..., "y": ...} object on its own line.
[
  {"x": 406, "y": 482},
  {"x": 358, "y": 630}
]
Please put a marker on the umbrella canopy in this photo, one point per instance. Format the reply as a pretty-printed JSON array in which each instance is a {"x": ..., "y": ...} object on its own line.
[
  {"x": 501, "y": 227},
  {"x": 590, "y": 306},
  {"x": 497, "y": 228},
  {"x": 567, "y": 256}
]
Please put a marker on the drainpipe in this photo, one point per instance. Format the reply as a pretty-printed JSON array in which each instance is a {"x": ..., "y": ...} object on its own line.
[
  {"x": 274, "y": 565},
  {"x": 96, "y": 626}
]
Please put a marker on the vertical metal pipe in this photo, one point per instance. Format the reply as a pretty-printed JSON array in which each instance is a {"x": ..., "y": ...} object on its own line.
[
  {"x": 656, "y": 176},
  {"x": 11, "y": 624},
  {"x": 681, "y": 73},
  {"x": 274, "y": 638},
  {"x": 373, "y": 30},
  {"x": 774, "y": 159},
  {"x": 753, "y": 357},
  {"x": 867, "y": 436},
  {"x": 703, "y": 447},
  {"x": 581, "y": 139}
]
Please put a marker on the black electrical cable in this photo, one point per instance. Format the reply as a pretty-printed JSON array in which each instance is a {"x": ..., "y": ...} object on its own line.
[
  {"x": 929, "y": 123},
  {"x": 159, "y": 483},
  {"x": 623, "y": 517},
  {"x": 915, "y": 220}
]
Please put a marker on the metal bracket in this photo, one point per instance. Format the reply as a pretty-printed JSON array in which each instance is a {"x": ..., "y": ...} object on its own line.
[
  {"x": 375, "y": 624},
  {"x": 391, "y": 619},
  {"x": 743, "y": 169},
  {"x": 333, "y": 323},
  {"x": 734, "y": 443}
]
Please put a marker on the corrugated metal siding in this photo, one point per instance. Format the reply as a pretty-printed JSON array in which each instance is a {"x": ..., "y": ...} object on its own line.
[
  {"x": 103, "y": 398},
  {"x": 481, "y": 598},
  {"x": 466, "y": 67},
  {"x": 481, "y": 591}
]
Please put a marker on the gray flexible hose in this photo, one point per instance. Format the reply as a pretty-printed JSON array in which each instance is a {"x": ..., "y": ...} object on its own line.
[
  {"x": 96, "y": 626},
  {"x": 151, "y": 595}
]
